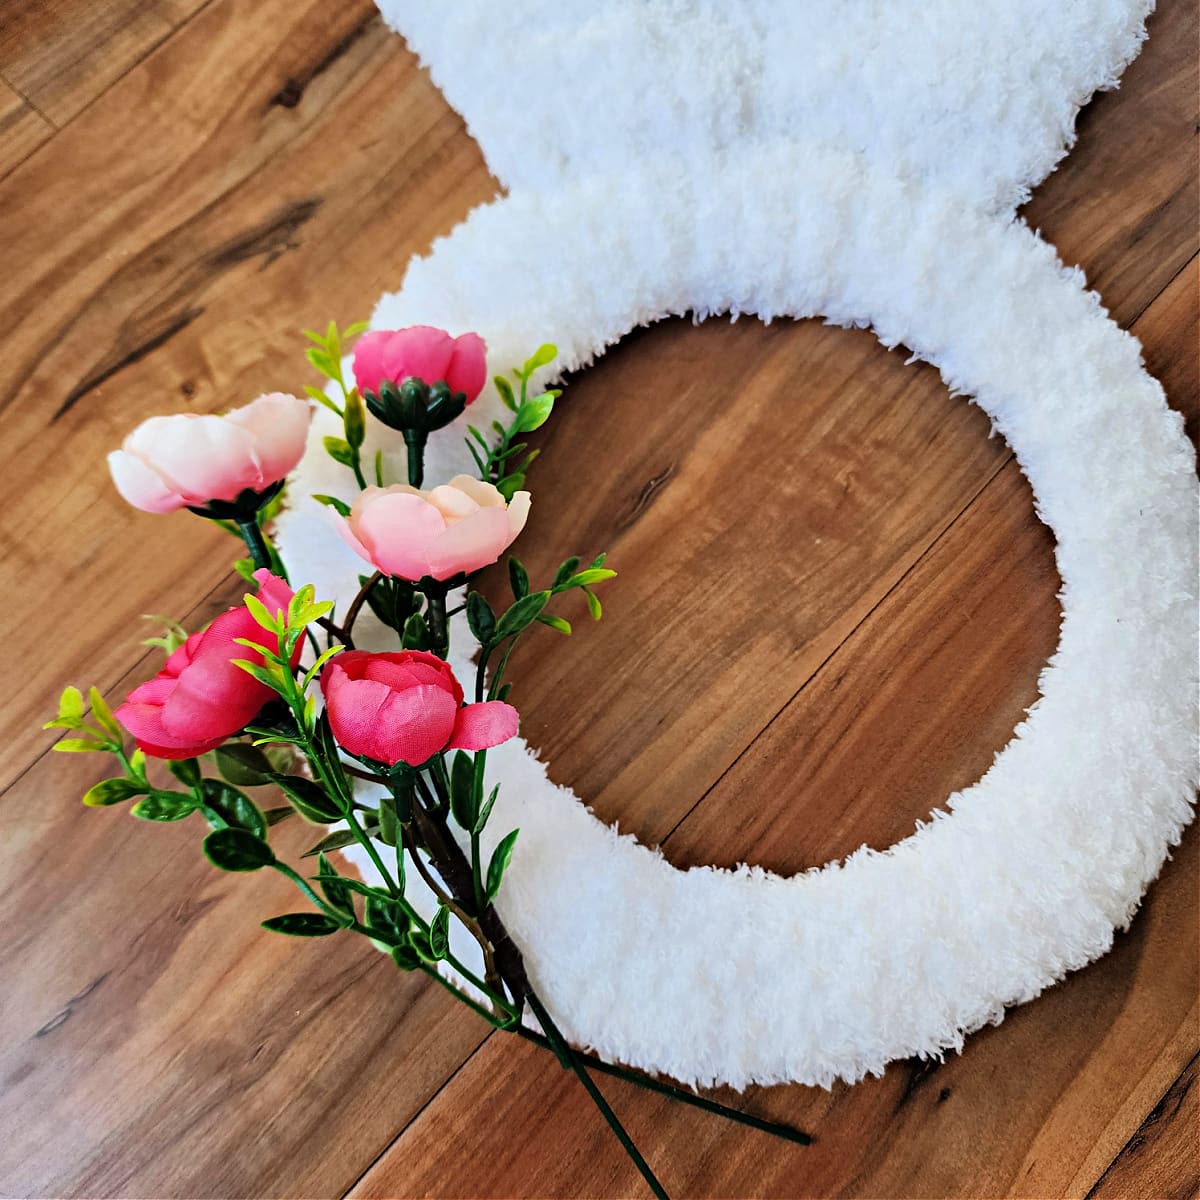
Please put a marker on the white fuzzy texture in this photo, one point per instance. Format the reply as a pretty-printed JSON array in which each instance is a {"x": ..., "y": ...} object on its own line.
[
  {"x": 979, "y": 95},
  {"x": 742, "y": 976}
]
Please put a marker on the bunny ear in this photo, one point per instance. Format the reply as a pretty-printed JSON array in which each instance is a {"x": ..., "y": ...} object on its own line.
[{"x": 980, "y": 94}]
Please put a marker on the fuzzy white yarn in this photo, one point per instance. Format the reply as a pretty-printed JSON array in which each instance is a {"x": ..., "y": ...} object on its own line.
[
  {"x": 742, "y": 976},
  {"x": 977, "y": 94}
]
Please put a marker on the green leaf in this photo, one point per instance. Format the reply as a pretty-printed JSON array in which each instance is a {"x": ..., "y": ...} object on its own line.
[
  {"x": 311, "y": 800},
  {"x": 559, "y": 623},
  {"x": 243, "y": 764},
  {"x": 591, "y": 576},
  {"x": 236, "y": 850},
  {"x": 486, "y": 810},
  {"x": 339, "y": 450},
  {"x": 317, "y": 394},
  {"x": 302, "y": 924},
  {"x": 565, "y": 571},
  {"x": 165, "y": 806},
  {"x": 418, "y": 939},
  {"x": 334, "y": 887},
  {"x": 258, "y": 610},
  {"x": 510, "y": 485},
  {"x": 338, "y": 840},
  {"x": 506, "y": 392},
  {"x": 355, "y": 420},
  {"x": 480, "y": 618},
  {"x": 386, "y": 916},
  {"x": 416, "y": 633},
  {"x": 245, "y": 568},
  {"x": 78, "y": 746},
  {"x": 232, "y": 807},
  {"x": 338, "y": 506},
  {"x": 547, "y": 352},
  {"x": 70, "y": 705},
  {"x": 405, "y": 957},
  {"x": 521, "y": 615},
  {"x": 186, "y": 770},
  {"x": 533, "y": 414},
  {"x": 389, "y": 827},
  {"x": 322, "y": 361},
  {"x": 462, "y": 789},
  {"x": 321, "y": 659},
  {"x": 273, "y": 816},
  {"x": 112, "y": 791},
  {"x": 518, "y": 578},
  {"x": 379, "y": 467},
  {"x": 353, "y": 330},
  {"x": 103, "y": 714},
  {"x": 499, "y": 864},
  {"x": 263, "y": 674},
  {"x": 439, "y": 933}
]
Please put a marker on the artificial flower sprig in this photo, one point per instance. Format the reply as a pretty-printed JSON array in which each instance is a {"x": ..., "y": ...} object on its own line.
[{"x": 275, "y": 692}]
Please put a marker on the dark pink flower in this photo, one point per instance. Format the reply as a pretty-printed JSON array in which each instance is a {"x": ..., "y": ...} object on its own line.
[
  {"x": 406, "y": 707},
  {"x": 430, "y": 354},
  {"x": 199, "y": 699}
]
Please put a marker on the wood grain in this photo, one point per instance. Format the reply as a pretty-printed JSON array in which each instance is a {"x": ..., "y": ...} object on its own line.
[
  {"x": 1162, "y": 1159},
  {"x": 62, "y": 54},
  {"x": 22, "y": 129},
  {"x": 231, "y": 172},
  {"x": 259, "y": 193}
]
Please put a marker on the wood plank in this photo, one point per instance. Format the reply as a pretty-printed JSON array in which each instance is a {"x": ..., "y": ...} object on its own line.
[
  {"x": 1174, "y": 357},
  {"x": 1130, "y": 218},
  {"x": 828, "y": 521},
  {"x": 62, "y": 54},
  {"x": 155, "y": 1042},
  {"x": 273, "y": 165},
  {"x": 519, "y": 1127},
  {"x": 293, "y": 161},
  {"x": 1162, "y": 1160},
  {"x": 22, "y": 129},
  {"x": 1035, "y": 1108}
]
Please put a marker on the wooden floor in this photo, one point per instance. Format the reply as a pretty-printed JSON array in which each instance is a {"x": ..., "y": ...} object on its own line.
[{"x": 183, "y": 186}]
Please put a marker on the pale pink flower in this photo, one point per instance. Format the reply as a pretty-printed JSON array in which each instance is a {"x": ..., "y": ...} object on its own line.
[
  {"x": 172, "y": 462},
  {"x": 456, "y": 527}
]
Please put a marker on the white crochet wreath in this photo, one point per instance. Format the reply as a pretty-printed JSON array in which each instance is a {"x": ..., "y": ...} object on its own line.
[{"x": 739, "y": 977}]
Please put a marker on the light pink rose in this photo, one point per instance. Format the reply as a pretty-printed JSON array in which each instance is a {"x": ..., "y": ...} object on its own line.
[
  {"x": 421, "y": 350},
  {"x": 168, "y": 463},
  {"x": 407, "y": 707},
  {"x": 459, "y": 526},
  {"x": 199, "y": 699}
]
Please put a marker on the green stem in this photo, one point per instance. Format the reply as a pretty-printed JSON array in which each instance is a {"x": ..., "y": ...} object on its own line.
[
  {"x": 415, "y": 440},
  {"x": 252, "y": 535},
  {"x": 560, "y": 1047},
  {"x": 436, "y": 615},
  {"x": 786, "y": 1132}
]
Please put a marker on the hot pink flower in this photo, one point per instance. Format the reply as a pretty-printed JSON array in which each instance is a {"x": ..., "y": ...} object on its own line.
[
  {"x": 407, "y": 707},
  {"x": 459, "y": 526},
  {"x": 421, "y": 350},
  {"x": 200, "y": 698},
  {"x": 168, "y": 463}
]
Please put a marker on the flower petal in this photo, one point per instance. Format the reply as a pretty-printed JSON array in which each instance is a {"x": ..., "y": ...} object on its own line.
[
  {"x": 205, "y": 457},
  {"x": 486, "y": 495},
  {"x": 482, "y": 726},
  {"x": 141, "y": 485},
  {"x": 279, "y": 425},
  {"x": 518, "y": 512},
  {"x": 397, "y": 528},
  {"x": 470, "y": 543}
]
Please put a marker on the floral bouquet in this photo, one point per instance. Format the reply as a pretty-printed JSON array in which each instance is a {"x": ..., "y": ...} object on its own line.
[{"x": 387, "y": 748}]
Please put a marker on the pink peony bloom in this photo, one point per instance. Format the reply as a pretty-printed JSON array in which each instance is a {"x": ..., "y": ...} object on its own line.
[
  {"x": 459, "y": 526},
  {"x": 199, "y": 699},
  {"x": 168, "y": 463},
  {"x": 407, "y": 707},
  {"x": 421, "y": 350}
]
